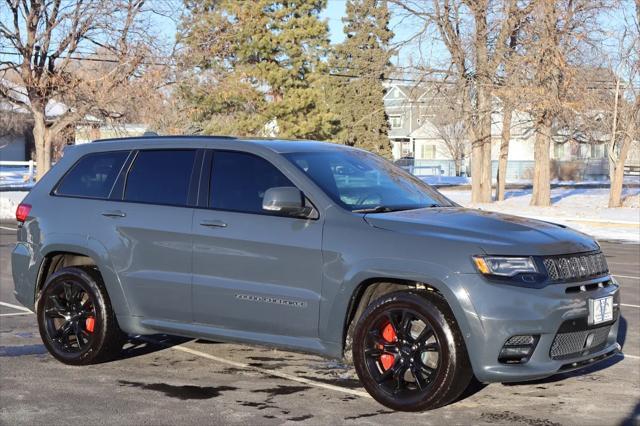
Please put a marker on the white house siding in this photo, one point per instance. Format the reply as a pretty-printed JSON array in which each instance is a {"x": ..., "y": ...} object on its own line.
[
  {"x": 416, "y": 137},
  {"x": 430, "y": 149},
  {"x": 519, "y": 149},
  {"x": 634, "y": 154},
  {"x": 87, "y": 133},
  {"x": 400, "y": 102}
]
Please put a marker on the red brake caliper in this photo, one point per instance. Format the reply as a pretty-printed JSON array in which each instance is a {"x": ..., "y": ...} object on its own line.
[
  {"x": 90, "y": 323},
  {"x": 389, "y": 335}
]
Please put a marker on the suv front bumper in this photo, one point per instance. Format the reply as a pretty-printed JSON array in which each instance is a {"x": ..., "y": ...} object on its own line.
[{"x": 500, "y": 311}]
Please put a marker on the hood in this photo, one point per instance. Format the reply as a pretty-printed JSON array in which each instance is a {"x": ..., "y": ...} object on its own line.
[{"x": 494, "y": 233}]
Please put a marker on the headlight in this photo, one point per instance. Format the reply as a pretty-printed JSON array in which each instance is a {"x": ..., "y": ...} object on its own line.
[{"x": 504, "y": 266}]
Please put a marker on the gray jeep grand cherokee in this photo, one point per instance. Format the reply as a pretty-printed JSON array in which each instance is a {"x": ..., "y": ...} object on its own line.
[{"x": 308, "y": 246}]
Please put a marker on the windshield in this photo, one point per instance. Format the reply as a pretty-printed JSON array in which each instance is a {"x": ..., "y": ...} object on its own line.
[{"x": 360, "y": 181}]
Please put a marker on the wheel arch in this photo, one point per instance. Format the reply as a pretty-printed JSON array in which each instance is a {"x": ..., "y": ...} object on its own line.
[
  {"x": 87, "y": 252},
  {"x": 348, "y": 296},
  {"x": 374, "y": 288}
]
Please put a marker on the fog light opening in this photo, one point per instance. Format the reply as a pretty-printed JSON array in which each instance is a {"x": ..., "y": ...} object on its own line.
[{"x": 518, "y": 349}]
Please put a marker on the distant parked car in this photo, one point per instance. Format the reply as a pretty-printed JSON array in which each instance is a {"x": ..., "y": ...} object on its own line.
[{"x": 307, "y": 246}]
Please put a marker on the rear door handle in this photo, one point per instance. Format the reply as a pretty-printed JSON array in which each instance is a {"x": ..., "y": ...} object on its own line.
[
  {"x": 114, "y": 213},
  {"x": 213, "y": 223}
]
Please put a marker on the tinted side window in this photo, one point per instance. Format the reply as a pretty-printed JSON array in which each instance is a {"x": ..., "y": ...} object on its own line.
[
  {"x": 160, "y": 177},
  {"x": 93, "y": 176},
  {"x": 240, "y": 180}
]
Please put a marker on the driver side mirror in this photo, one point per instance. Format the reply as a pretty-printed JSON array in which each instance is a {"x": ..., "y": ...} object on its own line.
[{"x": 287, "y": 201}]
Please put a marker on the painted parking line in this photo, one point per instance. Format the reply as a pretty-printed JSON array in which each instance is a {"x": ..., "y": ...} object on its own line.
[
  {"x": 628, "y": 356},
  {"x": 8, "y": 229},
  {"x": 20, "y": 308},
  {"x": 630, "y": 306},
  {"x": 627, "y": 276},
  {"x": 619, "y": 263},
  {"x": 15, "y": 314},
  {"x": 264, "y": 371},
  {"x": 293, "y": 378}
]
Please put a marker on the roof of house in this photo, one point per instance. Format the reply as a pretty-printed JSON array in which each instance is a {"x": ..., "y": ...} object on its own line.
[
  {"x": 427, "y": 131},
  {"x": 52, "y": 110}
]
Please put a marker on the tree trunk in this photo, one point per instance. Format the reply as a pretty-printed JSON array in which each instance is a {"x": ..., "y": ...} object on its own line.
[
  {"x": 42, "y": 142},
  {"x": 476, "y": 170},
  {"x": 505, "y": 138},
  {"x": 541, "y": 181},
  {"x": 617, "y": 175},
  {"x": 481, "y": 148},
  {"x": 484, "y": 95},
  {"x": 486, "y": 168},
  {"x": 481, "y": 151}
]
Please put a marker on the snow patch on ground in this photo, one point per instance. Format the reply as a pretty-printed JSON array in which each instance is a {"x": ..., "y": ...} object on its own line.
[
  {"x": 9, "y": 201},
  {"x": 15, "y": 177},
  {"x": 584, "y": 209},
  {"x": 446, "y": 180}
]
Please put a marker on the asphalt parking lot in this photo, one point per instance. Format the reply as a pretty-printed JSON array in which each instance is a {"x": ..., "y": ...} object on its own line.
[{"x": 164, "y": 380}]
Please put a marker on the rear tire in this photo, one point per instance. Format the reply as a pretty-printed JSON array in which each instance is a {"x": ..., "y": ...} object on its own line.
[
  {"x": 75, "y": 318},
  {"x": 409, "y": 353}
]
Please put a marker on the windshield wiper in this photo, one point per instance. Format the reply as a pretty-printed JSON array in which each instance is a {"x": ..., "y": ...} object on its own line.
[
  {"x": 381, "y": 209},
  {"x": 387, "y": 209}
]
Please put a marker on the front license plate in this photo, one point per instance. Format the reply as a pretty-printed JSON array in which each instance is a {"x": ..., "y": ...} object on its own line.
[{"x": 601, "y": 310}]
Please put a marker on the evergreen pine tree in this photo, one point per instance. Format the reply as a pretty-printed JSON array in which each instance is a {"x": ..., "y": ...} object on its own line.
[
  {"x": 365, "y": 53},
  {"x": 264, "y": 58}
]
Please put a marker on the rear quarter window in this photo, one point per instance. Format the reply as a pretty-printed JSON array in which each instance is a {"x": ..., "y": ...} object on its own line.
[
  {"x": 160, "y": 177},
  {"x": 93, "y": 175}
]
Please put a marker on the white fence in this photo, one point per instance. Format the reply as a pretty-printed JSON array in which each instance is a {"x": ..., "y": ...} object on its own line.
[{"x": 17, "y": 173}]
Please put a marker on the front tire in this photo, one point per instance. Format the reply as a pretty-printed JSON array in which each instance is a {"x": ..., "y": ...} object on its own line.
[
  {"x": 409, "y": 353},
  {"x": 75, "y": 318}
]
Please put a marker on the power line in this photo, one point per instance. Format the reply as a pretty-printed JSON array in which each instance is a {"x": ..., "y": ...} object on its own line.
[
  {"x": 90, "y": 59},
  {"x": 605, "y": 85}
]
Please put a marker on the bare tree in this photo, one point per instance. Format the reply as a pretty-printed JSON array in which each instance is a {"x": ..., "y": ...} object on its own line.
[
  {"x": 477, "y": 46},
  {"x": 503, "y": 154},
  {"x": 449, "y": 122},
  {"x": 625, "y": 129},
  {"x": 454, "y": 135},
  {"x": 73, "y": 52},
  {"x": 559, "y": 33},
  {"x": 12, "y": 123},
  {"x": 509, "y": 76}
]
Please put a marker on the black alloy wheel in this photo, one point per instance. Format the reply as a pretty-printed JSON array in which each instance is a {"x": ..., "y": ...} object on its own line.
[
  {"x": 402, "y": 352},
  {"x": 409, "y": 352},
  {"x": 75, "y": 318}
]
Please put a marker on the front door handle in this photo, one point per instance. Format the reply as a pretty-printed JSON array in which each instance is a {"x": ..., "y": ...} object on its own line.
[
  {"x": 213, "y": 223},
  {"x": 114, "y": 213}
]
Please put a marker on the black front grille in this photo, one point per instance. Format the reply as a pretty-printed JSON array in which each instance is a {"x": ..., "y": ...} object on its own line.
[{"x": 576, "y": 266}]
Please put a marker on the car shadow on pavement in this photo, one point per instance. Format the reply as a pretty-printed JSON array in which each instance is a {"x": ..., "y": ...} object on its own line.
[
  {"x": 474, "y": 387},
  {"x": 576, "y": 373},
  {"x": 633, "y": 419},
  {"x": 142, "y": 345},
  {"x": 622, "y": 331}
]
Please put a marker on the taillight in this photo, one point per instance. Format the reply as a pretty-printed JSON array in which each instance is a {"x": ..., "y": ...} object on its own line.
[{"x": 22, "y": 212}]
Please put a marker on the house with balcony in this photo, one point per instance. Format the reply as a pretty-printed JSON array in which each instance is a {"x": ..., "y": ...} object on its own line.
[{"x": 417, "y": 132}]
